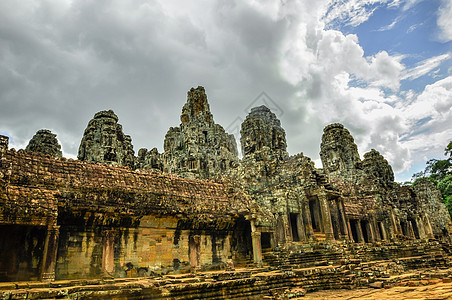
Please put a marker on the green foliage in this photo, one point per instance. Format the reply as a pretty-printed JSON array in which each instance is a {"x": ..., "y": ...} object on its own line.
[
  {"x": 448, "y": 150},
  {"x": 445, "y": 185},
  {"x": 439, "y": 172},
  {"x": 420, "y": 178}
]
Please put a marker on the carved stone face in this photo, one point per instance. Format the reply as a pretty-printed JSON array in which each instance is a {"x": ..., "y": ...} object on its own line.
[
  {"x": 333, "y": 160},
  {"x": 249, "y": 146},
  {"x": 281, "y": 142}
]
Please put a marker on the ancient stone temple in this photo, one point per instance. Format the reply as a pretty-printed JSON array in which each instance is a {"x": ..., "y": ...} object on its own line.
[
  {"x": 156, "y": 226},
  {"x": 105, "y": 142},
  {"x": 198, "y": 148},
  {"x": 44, "y": 141}
]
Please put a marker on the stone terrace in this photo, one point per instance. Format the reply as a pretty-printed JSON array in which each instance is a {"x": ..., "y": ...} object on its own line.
[{"x": 33, "y": 185}]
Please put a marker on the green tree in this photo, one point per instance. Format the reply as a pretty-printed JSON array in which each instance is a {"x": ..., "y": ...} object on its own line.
[{"x": 440, "y": 172}]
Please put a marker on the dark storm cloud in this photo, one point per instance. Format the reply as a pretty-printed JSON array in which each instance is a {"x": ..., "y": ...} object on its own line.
[
  {"x": 63, "y": 61},
  {"x": 61, "y": 64}
]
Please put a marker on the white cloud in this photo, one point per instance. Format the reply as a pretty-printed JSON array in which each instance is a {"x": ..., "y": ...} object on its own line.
[
  {"x": 424, "y": 67},
  {"x": 390, "y": 26},
  {"x": 445, "y": 20},
  {"x": 353, "y": 12},
  {"x": 62, "y": 62}
]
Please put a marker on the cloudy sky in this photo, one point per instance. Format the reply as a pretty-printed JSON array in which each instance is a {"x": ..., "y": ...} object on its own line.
[{"x": 382, "y": 68}]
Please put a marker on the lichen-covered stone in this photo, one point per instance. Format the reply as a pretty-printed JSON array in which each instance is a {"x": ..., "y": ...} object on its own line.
[
  {"x": 44, "y": 141},
  {"x": 149, "y": 160},
  {"x": 79, "y": 220},
  {"x": 199, "y": 148},
  {"x": 105, "y": 142},
  {"x": 431, "y": 201},
  {"x": 338, "y": 151},
  {"x": 4, "y": 142},
  {"x": 374, "y": 164},
  {"x": 263, "y": 142},
  {"x": 261, "y": 129}
]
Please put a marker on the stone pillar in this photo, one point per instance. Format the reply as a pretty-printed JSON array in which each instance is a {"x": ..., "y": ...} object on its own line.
[
  {"x": 335, "y": 219},
  {"x": 383, "y": 230},
  {"x": 421, "y": 228},
  {"x": 108, "y": 253},
  {"x": 410, "y": 229},
  {"x": 317, "y": 215},
  {"x": 194, "y": 251},
  {"x": 376, "y": 230},
  {"x": 326, "y": 216},
  {"x": 4, "y": 142},
  {"x": 50, "y": 253},
  {"x": 308, "y": 222},
  {"x": 345, "y": 224},
  {"x": 300, "y": 227},
  {"x": 372, "y": 233},
  {"x": 257, "y": 246},
  {"x": 394, "y": 228},
  {"x": 428, "y": 228},
  {"x": 359, "y": 231},
  {"x": 280, "y": 231}
]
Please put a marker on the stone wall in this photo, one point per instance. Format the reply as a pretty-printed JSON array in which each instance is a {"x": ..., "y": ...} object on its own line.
[
  {"x": 437, "y": 215},
  {"x": 101, "y": 220}
]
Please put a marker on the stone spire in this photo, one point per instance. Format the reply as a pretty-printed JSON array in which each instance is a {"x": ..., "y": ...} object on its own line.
[
  {"x": 105, "y": 142},
  {"x": 338, "y": 151},
  {"x": 4, "y": 142},
  {"x": 374, "y": 164},
  {"x": 198, "y": 148},
  {"x": 262, "y": 131},
  {"x": 197, "y": 109},
  {"x": 44, "y": 141}
]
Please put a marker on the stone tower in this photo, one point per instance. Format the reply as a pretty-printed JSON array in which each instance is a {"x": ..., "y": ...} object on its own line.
[
  {"x": 338, "y": 151},
  {"x": 374, "y": 164},
  {"x": 199, "y": 148},
  {"x": 262, "y": 132},
  {"x": 105, "y": 142},
  {"x": 44, "y": 141}
]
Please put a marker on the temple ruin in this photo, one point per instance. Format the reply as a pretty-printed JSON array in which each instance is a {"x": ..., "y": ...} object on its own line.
[{"x": 257, "y": 226}]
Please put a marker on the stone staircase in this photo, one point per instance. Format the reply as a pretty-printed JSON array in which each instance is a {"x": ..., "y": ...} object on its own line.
[
  {"x": 303, "y": 258},
  {"x": 298, "y": 267}
]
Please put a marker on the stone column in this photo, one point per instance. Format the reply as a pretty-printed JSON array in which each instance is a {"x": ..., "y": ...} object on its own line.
[
  {"x": 326, "y": 216},
  {"x": 335, "y": 218},
  {"x": 108, "y": 253},
  {"x": 50, "y": 253},
  {"x": 194, "y": 251},
  {"x": 280, "y": 231},
  {"x": 345, "y": 225},
  {"x": 300, "y": 227},
  {"x": 308, "y": 222},
  {"x": 371, "y": 232},
  {"x": 428, "y": 228},
  {"x": 394, "y": 228},
  {"x": 257, "y": 246},
  {"x": 421, "y": 228},
  {"x": 317, "y": 215},
  {"x": 376, "y": 230},
  {"x": 410, "y": 229},
  {"x": 383, "y": 230},
  {"x": 359, "y": 231}
]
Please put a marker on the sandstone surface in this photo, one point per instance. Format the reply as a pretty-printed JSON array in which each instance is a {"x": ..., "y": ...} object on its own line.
[{"x": 44, "y": 141}]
